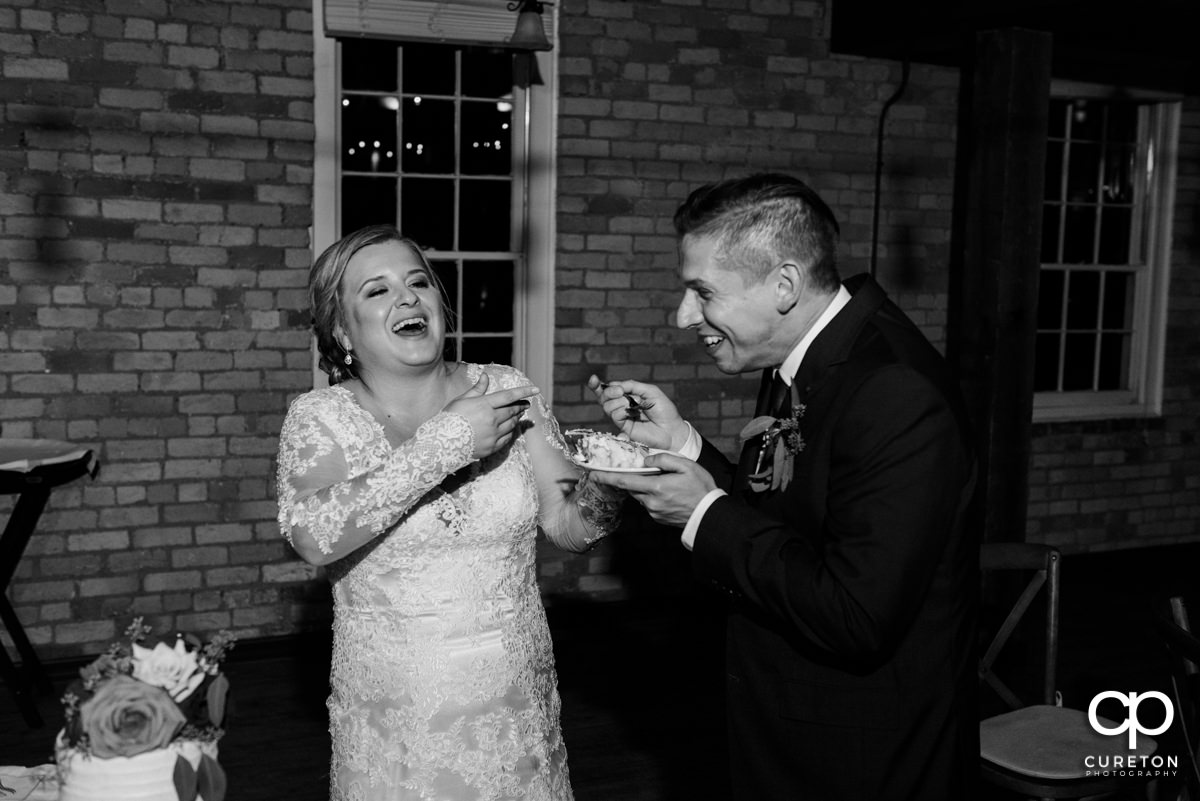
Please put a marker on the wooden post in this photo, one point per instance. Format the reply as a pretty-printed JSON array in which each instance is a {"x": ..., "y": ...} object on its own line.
[{"x": 1004, "y": 154}]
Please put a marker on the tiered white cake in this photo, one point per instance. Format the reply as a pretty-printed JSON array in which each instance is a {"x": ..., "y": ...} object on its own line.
[{"x": 145, "y": 777}]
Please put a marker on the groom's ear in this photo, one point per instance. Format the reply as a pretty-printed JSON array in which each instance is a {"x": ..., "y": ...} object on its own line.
[{"x": 789, "y": 286}]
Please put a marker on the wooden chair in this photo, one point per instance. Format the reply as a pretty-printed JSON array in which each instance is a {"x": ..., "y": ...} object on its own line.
[
  {"x": 1183, "y": 651},
  {"x": 1037, "y": 748}
]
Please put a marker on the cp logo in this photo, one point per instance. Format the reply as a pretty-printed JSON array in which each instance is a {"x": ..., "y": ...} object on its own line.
[{"x": 1131, "y": 723}]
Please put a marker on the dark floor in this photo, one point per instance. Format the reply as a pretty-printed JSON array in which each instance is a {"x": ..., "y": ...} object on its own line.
[{"x": 640, "y": 683}]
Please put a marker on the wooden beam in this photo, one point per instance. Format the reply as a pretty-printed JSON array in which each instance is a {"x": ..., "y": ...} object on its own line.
[{"x": 1004, "y": 155}]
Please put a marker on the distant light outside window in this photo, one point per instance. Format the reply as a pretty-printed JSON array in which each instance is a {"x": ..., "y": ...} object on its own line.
[
  {"x": 426, "y": 133},
  {"x": 1105, "y": 213}
]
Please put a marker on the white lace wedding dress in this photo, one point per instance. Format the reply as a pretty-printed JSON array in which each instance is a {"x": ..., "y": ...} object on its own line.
[{"x": 443, "y": 682}]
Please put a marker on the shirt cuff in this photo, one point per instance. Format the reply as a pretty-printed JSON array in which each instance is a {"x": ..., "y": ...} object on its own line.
[
  {"x": 693, "y": 445},
  {"x": 688, "y": 537}
]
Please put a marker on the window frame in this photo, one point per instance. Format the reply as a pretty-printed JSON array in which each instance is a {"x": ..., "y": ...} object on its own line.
[
  {"x": 1152, "y": 280},
  {"x": 536, "y": 117}
]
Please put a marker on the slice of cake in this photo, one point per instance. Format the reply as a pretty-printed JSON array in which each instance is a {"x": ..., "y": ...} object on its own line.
[{"x": 601, "y": 450}]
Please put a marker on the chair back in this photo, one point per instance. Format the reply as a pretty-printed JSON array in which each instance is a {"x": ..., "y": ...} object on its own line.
[
  {"x": 1026, "y": 571},
  {"x": 1183, "y": 651}
]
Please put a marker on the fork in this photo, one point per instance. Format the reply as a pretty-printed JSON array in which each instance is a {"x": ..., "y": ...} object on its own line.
[{"x": 635, "y": 409}]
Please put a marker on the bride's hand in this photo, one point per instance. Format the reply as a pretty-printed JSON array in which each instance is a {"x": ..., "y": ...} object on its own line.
[
  {"x": 494, "y": 417},
  {"x": 654, "y": 421}
]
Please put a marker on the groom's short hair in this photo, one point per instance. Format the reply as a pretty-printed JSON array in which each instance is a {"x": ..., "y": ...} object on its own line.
[{"x": 762, "y": 219}]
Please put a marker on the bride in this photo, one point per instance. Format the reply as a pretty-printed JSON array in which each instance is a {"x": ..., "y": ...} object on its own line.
[{"x": 420, "y": 484}]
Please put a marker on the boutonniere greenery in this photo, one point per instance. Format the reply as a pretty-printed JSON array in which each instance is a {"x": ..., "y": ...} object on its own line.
[{"x": 781, "y": 441}]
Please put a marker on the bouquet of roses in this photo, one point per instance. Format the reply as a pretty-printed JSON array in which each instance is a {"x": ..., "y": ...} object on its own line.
[{"x": 133, "y": 699}]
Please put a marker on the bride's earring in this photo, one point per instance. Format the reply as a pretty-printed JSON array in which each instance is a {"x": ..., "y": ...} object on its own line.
[{"x": 349, "y": 360}]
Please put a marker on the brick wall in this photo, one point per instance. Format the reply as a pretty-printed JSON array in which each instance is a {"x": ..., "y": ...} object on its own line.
[
  {"x": 154, "y": 212},
  {"x": 156, "y": 195},
  {"x": 659, "y": 98}
]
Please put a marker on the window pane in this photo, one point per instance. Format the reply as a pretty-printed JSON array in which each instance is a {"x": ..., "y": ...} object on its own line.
[
  {"x": 486, "y": 145},
  {"x": 1087, "y": 119},
  {"x": 487, "y": 73},
  {"x": 488, "y": 296},
  {"x": 1118, "y": 174},
  {"x": 485, "y": 211},
  {"x": 428, "y": 135},
  {"x": 1083, "y": 300},
  {"x": 1045, "y": 372},
  {"x": 488, "y": 349},
  {"x": 368, "y": 65},
  {"x": 1115, "y": 231},
  {"x": 1050, "y": 295},
  {"x": 1083, "y": 171},
  {"x": 1057, "y": 119},
  {"x": 1122, "y": 122},
  {"x": 1078, "y": 360},
  {"x": 1054, "y": 162},
  {"x": 1078, "y": 235},
  {"x": 367, "y": 201},
  {"x": 1114, "y": 361},
  {"x": 368, "y": 134},
  {"x": 429, "y": 69},
  {"x": 1118, "y": 301},
  {"x": 1051, "y": 220},
  {"x": 434, "y": 123},
  {"x": 427, "y": 211}
]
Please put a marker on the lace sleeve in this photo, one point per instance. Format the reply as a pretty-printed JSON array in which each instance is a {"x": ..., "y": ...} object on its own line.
[
  {"x": 330, "y": 503},
  {"x": 573, "y": 512}
]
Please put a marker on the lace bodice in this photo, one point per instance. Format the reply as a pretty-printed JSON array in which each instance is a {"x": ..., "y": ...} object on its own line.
[{"x": 443, "y": 683}]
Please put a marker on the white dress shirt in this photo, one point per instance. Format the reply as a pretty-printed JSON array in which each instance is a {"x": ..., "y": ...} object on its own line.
[{"x": 691, "y": 449}]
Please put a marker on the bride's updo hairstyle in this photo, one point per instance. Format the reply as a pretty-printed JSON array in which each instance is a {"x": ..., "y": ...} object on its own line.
[{"x": 325, "y": 294}]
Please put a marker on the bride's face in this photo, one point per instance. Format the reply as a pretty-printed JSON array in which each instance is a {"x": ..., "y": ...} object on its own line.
[{"x": 392, "y": 309}]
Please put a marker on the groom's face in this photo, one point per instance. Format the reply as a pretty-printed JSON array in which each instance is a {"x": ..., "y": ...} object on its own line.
[{"x": 733, "y": 315}]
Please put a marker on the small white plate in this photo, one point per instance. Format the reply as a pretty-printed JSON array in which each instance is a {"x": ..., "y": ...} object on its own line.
[{"x": 644, "y": 471}]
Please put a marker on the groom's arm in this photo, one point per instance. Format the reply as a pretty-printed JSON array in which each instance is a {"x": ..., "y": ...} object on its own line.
[
  {"x": 716, "y": 464},
  {"x": 852, "y": 582}
]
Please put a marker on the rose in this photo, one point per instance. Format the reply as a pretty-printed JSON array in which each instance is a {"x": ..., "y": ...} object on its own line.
[
  {"x": 127, "y": 717},
  {"x": 176, "y": 670}
]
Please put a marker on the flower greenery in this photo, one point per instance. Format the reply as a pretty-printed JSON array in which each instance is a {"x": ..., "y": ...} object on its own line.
[
  {"x": 773, "y": 467},
  {"x": 133, "y": 699}
]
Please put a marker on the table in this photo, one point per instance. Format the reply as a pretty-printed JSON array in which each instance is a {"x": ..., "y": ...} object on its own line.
[
  {"x": 39, "y": 783},
  {"x": 30, "y": 469}
]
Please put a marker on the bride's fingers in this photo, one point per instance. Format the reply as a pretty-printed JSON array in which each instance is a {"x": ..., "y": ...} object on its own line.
[{"x": 507, "y": 397}]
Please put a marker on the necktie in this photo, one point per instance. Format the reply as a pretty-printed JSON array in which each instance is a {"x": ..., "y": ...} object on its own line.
[{"x": 781, "y": 397}]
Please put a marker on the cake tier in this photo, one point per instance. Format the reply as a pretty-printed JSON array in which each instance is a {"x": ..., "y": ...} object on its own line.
[{"x": 145, "y": 777}]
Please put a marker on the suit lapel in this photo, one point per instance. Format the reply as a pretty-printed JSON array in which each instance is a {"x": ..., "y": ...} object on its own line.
[{"x": 834, "y": 344}]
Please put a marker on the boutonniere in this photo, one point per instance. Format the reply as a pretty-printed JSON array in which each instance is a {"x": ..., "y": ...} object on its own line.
[{"x": 773, "y": 467}]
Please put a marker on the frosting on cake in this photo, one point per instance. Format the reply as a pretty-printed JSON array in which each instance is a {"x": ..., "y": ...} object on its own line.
[
  {"x": 145, "y": 777},
  {"x": 598, "y": 449}
]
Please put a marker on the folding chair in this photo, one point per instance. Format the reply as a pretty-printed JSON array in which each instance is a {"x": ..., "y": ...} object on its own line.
[
  {"x": 1183, "y": 651},
  {"x": 1037, "y": 749}
]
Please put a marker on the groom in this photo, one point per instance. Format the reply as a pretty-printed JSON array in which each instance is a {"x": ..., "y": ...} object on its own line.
[{"x": 839, "y": 535}]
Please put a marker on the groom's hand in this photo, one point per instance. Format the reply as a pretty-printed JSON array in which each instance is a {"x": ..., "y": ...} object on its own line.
[
  {"x": 654, "y": 422},
  {"x": 670, "y": 496}
]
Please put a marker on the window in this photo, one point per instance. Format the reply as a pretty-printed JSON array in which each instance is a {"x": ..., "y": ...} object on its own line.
[
  {"x": 436, "y": 138},
  {"x": 1109, "y": 191}
]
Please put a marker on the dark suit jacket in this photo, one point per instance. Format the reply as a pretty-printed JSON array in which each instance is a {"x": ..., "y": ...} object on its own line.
[{"x": 850, "y": 647}]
